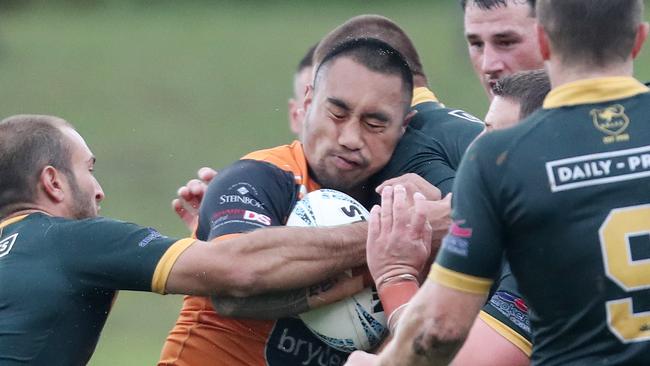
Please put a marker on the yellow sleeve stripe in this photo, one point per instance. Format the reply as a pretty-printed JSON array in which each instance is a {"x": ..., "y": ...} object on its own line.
[
  {"x": 459, "y": 281},
  {"x": 508, "y": 333},
  {"x": 166, "y": 262}
]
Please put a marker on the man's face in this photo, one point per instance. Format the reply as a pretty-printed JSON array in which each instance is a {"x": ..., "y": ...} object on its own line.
[
  {"x": 501, "y": 41},
  {"x": 296, "y": 112},
  {"x": 354, "y": 119},
  {"x": 503, "y": 113},
  {"x": 85, "y": 191}
]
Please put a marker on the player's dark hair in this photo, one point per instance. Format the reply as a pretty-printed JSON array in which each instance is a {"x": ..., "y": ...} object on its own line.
[
  {"x": 372, "y": 26},
  {"x": 375, "y": 55},
  {"x": 29, "y": 143},
  {"x": 491, "y": 4},
  {"x": 591, "y": 32},
  {"x": 527, "y": 88},
  {"x": 307, "y": 60}
]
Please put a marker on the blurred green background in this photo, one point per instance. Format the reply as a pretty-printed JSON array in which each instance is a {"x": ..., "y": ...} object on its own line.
[{"x": 161, "y": 88}]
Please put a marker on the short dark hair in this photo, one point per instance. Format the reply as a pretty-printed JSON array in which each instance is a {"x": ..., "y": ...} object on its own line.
[
  {"x": 490, "y": 4},
  {"x": 29, "y": 143},
  {"x": 527, "y": 88},
  {"x": 591, "y": 32},
  {"x": 372, "y": 26},
  {"x": 375, "y": 55},
  {"x": 307, "y": 60}
]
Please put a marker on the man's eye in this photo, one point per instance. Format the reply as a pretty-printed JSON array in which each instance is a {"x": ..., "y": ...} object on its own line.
[
  {"x": 507, "y": 43},
  {"x": 337, "y": 116},
  {"x": 477, "y": 45}
]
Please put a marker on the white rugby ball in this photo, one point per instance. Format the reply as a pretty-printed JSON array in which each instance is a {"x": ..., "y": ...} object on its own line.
[{"x": 357, "y": 322}]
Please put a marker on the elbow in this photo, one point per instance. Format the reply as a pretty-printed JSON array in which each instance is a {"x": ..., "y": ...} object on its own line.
[{"x": 437, "y": 342}]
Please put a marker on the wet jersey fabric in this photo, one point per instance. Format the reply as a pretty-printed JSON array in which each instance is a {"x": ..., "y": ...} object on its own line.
[
  {"x": 59, "y": 278},
  {"x": 258, "y": 191},
  {"x": 565, "y": 196}
]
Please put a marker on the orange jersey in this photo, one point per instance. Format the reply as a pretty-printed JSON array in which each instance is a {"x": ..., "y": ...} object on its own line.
[{"x": 258, "y": 191}]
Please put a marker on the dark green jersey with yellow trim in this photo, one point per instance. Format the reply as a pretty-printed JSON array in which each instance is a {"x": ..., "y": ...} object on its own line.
[
  {"x": 566, "y": 195},
  {"x": 58, "y": 278},
  {"x": 433, "y": 144}
]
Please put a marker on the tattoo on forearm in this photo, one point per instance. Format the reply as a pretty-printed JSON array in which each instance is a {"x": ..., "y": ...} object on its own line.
[{"x": 272, "y": 305}]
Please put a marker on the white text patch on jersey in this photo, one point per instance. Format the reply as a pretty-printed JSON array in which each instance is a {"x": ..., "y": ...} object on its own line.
[{"x": 596, "y": 169}]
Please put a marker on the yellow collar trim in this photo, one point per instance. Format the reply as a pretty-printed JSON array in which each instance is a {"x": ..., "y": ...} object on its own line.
[
  {"x": 594, "y": 91},
  {"x": 12, "y": 220},
  {"x": 422, "y": 95}
]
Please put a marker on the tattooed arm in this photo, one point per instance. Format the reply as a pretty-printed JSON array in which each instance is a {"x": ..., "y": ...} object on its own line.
[
  {"x": 279, "y": 304},
  {"x": 433, "y": 327}
]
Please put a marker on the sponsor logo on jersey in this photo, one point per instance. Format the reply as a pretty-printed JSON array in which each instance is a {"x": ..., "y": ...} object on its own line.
[
  {"x": 6, "y": 244},
  {"x": 456, "y": 245},
  {"x": 461, "y": 232},
  {"x": 612, "y": 121},
  {"x": 235, "y": 198},
  {"x": 292, "y": 343},
  {"x": 513, "y": 307},
  {"x": 153, "y": 235},
  {"x": 597, "y": 169},
  {"x": 464, "y": 115},
  {"x": 243, "y": 188},
  {"x": 258, "y": 217}
]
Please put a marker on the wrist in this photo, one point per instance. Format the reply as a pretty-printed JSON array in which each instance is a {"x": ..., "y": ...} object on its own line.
[{"x": 396, "y": 291}]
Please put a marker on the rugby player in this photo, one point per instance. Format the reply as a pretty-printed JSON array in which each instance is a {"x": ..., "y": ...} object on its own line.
[
  {"x": 301, "y": 79},
  {"x": 516, "y": 97},
  {"x": 501, "y": 38},
  {"x": 61, "y": 265},
  {"x": 565, "y": 196},
  {"x": 431, "y": 147},
  {"x": 436, "y": 137},
  {"x": 356, "y": 111}
]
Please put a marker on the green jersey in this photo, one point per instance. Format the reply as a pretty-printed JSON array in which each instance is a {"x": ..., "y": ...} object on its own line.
[
  {"x": 59, "y": 278},
  {"x": 566, "y": 196},
  {"x": 433, "y": 144}
]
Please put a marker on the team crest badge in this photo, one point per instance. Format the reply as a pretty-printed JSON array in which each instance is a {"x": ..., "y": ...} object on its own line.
[
  {"x": 6, "y": 244},
  {"x": 613, "y": 122}
]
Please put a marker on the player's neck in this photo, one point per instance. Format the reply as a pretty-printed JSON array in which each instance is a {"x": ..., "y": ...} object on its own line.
[{"x": 561, "y": 74}]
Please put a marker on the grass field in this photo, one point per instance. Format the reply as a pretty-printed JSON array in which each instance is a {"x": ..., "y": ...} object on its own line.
[{"x": 159, "y": 91}]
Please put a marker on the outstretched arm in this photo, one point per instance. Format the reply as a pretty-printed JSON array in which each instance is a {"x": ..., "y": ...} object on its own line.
[{"x": 267, "y": 260}]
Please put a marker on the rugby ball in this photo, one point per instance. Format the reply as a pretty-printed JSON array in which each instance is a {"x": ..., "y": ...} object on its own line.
[{"x": 357, "y": 322}]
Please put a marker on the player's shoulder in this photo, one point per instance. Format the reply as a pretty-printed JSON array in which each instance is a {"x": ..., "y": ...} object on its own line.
[{"x": 435, "y": 112}]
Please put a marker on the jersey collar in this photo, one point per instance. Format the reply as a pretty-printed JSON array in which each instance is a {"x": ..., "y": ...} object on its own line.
[
  {"x": 596, "y": 90},
  {"x": 12, "y": 220},
  {"x": 423, "y": 95}
]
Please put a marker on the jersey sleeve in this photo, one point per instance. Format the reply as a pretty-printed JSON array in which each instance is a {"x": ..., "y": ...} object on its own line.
[
  {"x": 110, "y": 254},
  {"x": 471, "y": 252},
  {"x": 248, "y": 195},
  {"x": 507, "y": 313}
]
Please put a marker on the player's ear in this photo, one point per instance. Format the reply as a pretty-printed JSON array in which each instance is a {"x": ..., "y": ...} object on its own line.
[
  {"x": 544, "y": 45},
  {"x": 51, "y": 182},
  {"x": 309, "y": 97},
  {"x": 641, "y": 35},
  {"x": 409, "y": 117}
]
